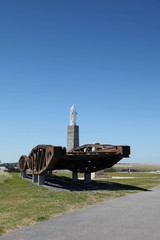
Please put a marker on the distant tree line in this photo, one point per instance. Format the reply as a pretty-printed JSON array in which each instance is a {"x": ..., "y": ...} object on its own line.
[
  {"x": 12, "y": 167},
  {"x": 114, "y": 169}
]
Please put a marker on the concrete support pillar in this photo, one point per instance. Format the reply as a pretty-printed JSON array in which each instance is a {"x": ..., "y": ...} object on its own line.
[
  {"x": 40, "y": 179},
  {"x": 34, "y": 178},
  {"x": 87, "y": 178},
  {"x": 50, "y": 173},
  {"x": 93, "y": 175},
  {"x": 75, "y": 176},
  {"x": 23, "y": 174}
]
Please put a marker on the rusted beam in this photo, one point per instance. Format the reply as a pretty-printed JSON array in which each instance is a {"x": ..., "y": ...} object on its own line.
[{"x": 85, "y": 159}]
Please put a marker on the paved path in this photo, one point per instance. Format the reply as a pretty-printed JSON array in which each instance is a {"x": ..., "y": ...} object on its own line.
[{"x": 132, "y": 217}]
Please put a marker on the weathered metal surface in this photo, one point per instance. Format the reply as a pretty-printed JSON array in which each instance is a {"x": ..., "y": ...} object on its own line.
[
  {"x": 85, "y": 159},
  {"x": 23, "y": 163},
  {"x": 42, "y": 158}
]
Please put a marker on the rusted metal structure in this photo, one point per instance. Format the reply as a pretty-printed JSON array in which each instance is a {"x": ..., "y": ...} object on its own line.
[
  {"x": 84, "y": 159},
  {"x": 23, "y": 163}
]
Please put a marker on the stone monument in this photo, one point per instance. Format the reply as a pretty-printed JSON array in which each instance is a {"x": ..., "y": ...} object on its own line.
[
  {"x": 73, "y": 131},
  {"x": 73, "y": 136}
]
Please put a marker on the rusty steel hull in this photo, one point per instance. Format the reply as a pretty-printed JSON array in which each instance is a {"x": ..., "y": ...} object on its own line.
[
  {"x": 85, "y": 159},
  {"x": 23, "y": 163}
]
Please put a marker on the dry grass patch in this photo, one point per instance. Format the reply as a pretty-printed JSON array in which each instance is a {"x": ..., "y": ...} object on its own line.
[{"x": 4, "y": 176}]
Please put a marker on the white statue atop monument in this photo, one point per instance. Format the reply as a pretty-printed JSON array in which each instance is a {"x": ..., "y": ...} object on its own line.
[{"x": 73, "y": 115}]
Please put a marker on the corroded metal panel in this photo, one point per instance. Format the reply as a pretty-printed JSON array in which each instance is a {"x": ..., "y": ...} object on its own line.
[{"x": 85, "y": 159}]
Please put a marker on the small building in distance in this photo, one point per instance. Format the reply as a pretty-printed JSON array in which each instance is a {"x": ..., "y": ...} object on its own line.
[{"x": 4, "y": 169}]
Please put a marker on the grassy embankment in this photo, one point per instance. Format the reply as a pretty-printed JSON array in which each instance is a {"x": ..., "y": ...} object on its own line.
[{"x": 23, "y": 203}]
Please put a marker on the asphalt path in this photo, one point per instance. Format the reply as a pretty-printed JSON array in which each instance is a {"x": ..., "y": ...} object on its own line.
[{"x": 135, "y": 216}]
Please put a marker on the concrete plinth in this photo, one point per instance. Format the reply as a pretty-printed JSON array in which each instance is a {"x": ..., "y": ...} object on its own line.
[
  {"x": 23, "y": 174},
  {"x": 40, "y": 179},
  {"x": 92, "y": 175},
  {"x": 75, "y": 176},
  {"x": 34, "y": 178},
  {"x": 50, "y": 173},
  {"x": 72, "y": 137},
  {"x": 87, "y": 178}
]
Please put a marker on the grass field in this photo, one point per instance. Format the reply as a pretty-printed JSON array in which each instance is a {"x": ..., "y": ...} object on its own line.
[
  {"x": 138, "y": 167},
  {"x": 23, "y": 203}
]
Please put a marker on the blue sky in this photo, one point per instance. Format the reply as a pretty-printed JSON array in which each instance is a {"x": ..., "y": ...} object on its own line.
[{"x": 103, "y": 56}]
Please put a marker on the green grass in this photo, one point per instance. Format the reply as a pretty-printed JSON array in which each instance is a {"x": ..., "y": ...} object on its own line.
[
  {"x": 23, "y": 203},
  {"x": 69, "y": 175},
  {"x": 137, "y": 167},
  {"x": 140, "y": 180}
]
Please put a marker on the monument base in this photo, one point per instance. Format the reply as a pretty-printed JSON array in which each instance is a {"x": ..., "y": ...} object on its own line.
[
  {"x": 87, "y": 178},
  {"x": 93, "y": 175},
  {"x": 72, "y": 137},
  {"x": 50, "y": 173},
  {"x": 40, "y": 179},
  {"x": 23, "y": 174},
  {"x": 34, "y": 178},
  {"x": 75, "y": 176}
]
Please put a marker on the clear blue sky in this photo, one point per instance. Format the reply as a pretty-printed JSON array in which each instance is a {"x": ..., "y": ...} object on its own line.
[{"x": 103, "y": 56}]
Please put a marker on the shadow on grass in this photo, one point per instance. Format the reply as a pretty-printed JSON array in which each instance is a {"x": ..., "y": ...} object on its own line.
[{"x": 64, "y": 183}]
